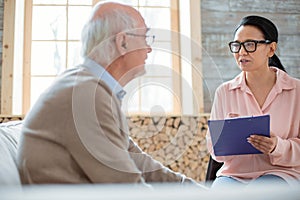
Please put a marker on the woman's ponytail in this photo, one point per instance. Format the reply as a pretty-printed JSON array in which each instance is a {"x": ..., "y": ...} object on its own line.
[{"x": 274, "y": 61}]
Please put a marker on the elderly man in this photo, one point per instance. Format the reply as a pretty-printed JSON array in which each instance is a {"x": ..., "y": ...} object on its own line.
[{"x": 76, "y": 132}]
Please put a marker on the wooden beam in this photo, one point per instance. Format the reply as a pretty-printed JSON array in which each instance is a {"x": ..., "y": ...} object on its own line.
[
  {"x": 8, "y": 57},
  {"x": 195, "y": 10},
  {"x": 177, "y": 103},
  {"x": 27, "y": 57}
]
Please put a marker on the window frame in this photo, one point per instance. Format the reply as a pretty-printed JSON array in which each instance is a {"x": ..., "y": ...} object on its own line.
[{"x": 8, "y": 56}]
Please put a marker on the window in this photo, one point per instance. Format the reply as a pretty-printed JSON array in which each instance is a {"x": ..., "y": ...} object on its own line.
[
  {"x": 55, "y": 42},
  {"x": 52, "y": 44}
]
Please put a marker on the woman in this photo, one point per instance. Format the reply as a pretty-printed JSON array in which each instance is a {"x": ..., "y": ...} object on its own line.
[{"x": 261, "y": 88}]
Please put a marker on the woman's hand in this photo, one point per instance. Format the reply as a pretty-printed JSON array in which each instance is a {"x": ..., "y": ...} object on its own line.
[{"x": 264, "y": 144}]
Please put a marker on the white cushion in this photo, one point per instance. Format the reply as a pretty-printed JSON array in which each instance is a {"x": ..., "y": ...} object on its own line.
[{"x": 9, "y": 137}]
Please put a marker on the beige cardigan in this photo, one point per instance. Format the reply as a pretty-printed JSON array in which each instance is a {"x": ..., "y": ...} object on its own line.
[{"x": 76, "y": 133}]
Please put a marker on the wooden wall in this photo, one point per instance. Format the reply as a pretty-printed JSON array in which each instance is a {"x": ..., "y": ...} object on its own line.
[{"x": 219, "y": 19}]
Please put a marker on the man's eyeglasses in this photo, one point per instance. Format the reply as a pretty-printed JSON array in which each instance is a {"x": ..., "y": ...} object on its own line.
[
  {"x": 149, "y": 38},
  {"x": 249, "y": 45}
]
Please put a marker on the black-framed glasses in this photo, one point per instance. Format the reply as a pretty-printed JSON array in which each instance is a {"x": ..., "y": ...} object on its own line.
[
  {"x": 249, "y": 45},
  {"x": 148, "y": 38}
]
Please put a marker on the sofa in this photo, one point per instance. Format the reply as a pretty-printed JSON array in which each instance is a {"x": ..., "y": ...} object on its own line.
[
  {"x": 11, "y": 187},
  {"x": 10, "y": 133}
]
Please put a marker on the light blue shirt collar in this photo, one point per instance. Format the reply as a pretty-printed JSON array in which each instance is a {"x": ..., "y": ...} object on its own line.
[{"x": 99, "y": 72}]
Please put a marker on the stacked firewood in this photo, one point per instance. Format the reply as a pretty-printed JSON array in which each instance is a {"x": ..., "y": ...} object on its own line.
[
  {"x": 7, "y": 118},
  {"x": 177, "y": 142}
]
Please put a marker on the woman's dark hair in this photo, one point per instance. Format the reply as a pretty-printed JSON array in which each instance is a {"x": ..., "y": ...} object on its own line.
[{"x": 269, "y": 30}]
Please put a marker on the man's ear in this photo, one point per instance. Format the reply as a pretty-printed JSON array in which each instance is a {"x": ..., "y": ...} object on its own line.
[
  {"x": 273, "y": 47},
  {"x": 121, "y": 43}
]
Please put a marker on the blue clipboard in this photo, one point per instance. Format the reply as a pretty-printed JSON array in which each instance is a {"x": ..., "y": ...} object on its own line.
[{"x": 229, "y": 136}]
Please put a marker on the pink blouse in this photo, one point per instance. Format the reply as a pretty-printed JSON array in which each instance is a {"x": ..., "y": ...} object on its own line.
[{"x": 283, "y": 106}]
